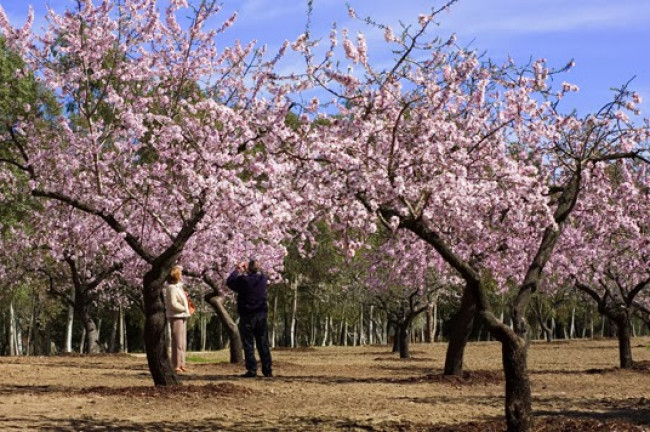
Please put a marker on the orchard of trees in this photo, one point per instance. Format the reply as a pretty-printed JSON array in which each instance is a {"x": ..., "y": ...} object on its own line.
[{"x": 444, "y": 197}]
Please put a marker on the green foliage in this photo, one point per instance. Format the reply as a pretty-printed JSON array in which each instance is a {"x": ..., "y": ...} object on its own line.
[{"x": 21, "y": 97}]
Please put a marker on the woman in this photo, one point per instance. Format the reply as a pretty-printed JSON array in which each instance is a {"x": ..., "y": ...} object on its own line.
[{"x": 178, "y": 311}]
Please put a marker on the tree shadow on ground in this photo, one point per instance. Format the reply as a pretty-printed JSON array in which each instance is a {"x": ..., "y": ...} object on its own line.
[
  {"x": 633, "y": 410},
  {"x": 390, "y": 354},
  {"x": 95, "y": 366},
  {"x": 634, "y": 416},
  {"x": 401, "y": 360},
  {"x": 484, "y": 377},
  {"x": 542, "y": 424},
  {"x": 13, "y": 389}
]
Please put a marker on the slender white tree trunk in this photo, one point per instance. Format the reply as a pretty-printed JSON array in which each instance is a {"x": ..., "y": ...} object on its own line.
[
  {"x": 326, "y": 331},
  {"x": 13, "y": 345},
  {"x": 371, "y": 336},
  {"x": 572, "y": 332},
  {"x": 31, "y": 329},
  {"x": 203, "y": 322},
  {"x": 126, "y": 340},
  {"x": 553, "y": 326},
  {"x": 362, "y": 334},
  {"x": 19, "y": 340},
  {"x": 294, "y": 313},
  {"x": 82, "y": 343},
  {"x": 122, "y": 326},
  {"x": 435, "y": 320},
  {"x": 67, "y": 346},
  {"x": 331, "y": 331}
]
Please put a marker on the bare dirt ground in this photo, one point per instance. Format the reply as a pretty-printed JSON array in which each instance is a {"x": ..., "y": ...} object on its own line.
[{"x": 575, "y": 387}]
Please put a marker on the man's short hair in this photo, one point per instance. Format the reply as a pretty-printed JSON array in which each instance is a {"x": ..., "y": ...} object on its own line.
[{"x": 253, "y": 265}]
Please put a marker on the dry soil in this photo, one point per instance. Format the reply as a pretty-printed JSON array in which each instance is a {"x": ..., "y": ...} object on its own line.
[{"x": 575, "y": 385}]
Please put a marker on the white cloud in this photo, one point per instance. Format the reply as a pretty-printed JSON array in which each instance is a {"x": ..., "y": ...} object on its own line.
[{"x": 553, "y": 16}]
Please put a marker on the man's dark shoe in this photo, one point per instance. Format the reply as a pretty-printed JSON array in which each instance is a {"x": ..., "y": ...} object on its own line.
[
  {"x": 249, "y": 374},
  {"x": 268, "y": 374}
]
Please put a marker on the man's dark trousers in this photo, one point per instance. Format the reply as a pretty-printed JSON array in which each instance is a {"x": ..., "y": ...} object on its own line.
[{"x": 254, "y": 329}]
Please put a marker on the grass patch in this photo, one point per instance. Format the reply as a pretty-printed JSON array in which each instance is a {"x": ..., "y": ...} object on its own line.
[{"x": 202, "y": 360}]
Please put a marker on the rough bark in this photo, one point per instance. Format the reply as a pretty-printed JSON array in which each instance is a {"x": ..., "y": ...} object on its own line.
[
  {"x": 548, "y": 332},
  {"x": 159, "y": 363},
  {"x": 518, "y": 396},
  {"x": 403, "y": 334},
  {"x": 92, "y": 333},
  {"x": 216, "y": 300},
  {"x": 460, "y": 332},
  {"x": 396, "y": 341},
  {"x": 624, "y": 343}
]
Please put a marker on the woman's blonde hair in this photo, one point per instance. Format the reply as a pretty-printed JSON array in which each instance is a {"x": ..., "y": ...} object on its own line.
[{"x": 175, "y": 274}]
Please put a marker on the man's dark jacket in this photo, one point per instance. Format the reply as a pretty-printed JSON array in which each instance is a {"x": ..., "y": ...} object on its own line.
[{"x": 251, "y": 292}]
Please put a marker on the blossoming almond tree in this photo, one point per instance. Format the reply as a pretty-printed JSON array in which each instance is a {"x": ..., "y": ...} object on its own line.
[
  {"x": 403, "y": 277},
  {"x": 605, "y": 252},
  {"x": 86, "y": 255},
  {"x": 159, "y": 133},
  {"x": 472, "y": 157}
]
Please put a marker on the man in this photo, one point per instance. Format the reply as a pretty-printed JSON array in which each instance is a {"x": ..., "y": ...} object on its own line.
[{"x": 250, "y": 284}]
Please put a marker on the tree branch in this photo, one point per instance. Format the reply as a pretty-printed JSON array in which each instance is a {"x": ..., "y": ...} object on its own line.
[{"x": 112, "y": 222}]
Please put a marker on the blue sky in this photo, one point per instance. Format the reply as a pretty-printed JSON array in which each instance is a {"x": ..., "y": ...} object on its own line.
[{"x": 610, "y": 41}]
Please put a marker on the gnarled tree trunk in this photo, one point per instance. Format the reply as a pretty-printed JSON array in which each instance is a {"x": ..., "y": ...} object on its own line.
[
  {"x": 92, "y": 334},
  {"x": 216, "y": 300},
  {"x": 159, "y": 363},
  {"x": 624, "y": 344},
  {"x": 403, "y": 335},
  {"x": 460, "y": 332},
  {"x": 518, "y": 396}
]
